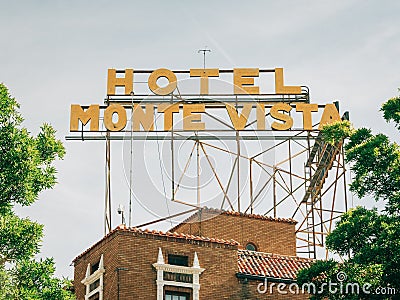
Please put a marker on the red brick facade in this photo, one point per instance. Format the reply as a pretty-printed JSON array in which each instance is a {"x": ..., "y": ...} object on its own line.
[
  {"x": 267, "y": 234},
  {"x": 129, "y": 254}
]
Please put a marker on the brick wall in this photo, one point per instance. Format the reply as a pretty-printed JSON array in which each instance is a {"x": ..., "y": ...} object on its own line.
[
  {"x": 109, "y": 248},
  {"x": 269, "y": 236},
  {"x": 140, "y": 252},
  {"x": 137, "y": 252}
]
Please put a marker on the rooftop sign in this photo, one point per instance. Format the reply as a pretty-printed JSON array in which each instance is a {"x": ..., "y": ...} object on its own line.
[{"x": 243, "y": 101}]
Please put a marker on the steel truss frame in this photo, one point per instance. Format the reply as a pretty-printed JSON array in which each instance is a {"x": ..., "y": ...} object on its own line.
[{"x": 305, "y": 194}]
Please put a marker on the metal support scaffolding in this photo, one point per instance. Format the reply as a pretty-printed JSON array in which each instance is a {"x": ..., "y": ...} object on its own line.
[{"x": 287, "y": 176}]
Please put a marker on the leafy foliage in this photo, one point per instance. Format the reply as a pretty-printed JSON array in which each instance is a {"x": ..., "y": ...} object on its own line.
[
  {"x": 25, "y": 170},
  {"x": 7, "y": 287},
  {"x": 376, "y": 165},
  {"x": 35, "y": 280},
  {"x": 356, "y": 231},
  {"x": 341, "y": 277},
  {"x": 391, "y": 110},
  {"x": 367, "y": 238},
  {"x": 25, "y": 163},
  {"x": 336, "y": 132},
  {"x": 19, "y": 238}
]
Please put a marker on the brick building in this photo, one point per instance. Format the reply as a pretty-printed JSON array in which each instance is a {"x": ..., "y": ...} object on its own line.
[{"x": 211, "y": 255}]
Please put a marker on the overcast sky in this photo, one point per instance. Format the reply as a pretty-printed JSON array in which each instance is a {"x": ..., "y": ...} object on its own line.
[{"x": 55, "y": 53}]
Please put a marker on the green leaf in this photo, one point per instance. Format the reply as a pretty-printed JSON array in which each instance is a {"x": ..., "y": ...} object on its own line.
[
  {"x": 26, "y": 169},
  {"x": 336, "y": 132},
  {"x": 19, "y": 238},
  {"x": 26, "y": 161}
]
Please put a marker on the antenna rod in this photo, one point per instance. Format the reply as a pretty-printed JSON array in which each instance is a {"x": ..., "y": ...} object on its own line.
[{"x": 204, "y": 51}]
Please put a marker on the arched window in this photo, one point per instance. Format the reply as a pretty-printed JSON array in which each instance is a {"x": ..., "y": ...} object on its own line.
[{"x": 251, "y": 247}]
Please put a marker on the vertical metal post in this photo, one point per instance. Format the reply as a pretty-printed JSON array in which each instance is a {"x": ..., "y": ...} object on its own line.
[
  {"x": 200, "y": 219},
  {"x": 238, "y": 161},
  {"x": 274, "y": 187},
  {"x": 198, "y": 172},
  {"x": 130, "y": 166},
  {"x": 313, "y": 231},
  {"x": 344, "y": 180},
  {"x": 107, "y": 204},
  {"x": 333, "y": 201},
  {"x": 345, "y": 185},
  {"x": 172, "y": 159},
  {"x": 321, "y": 216},
  {"x": 290, "y": 167},
  {"x": 118, "y": 283},
  {"x": 251, "y": 186},
  {"x": 118, "y": 280},
  {"x": 204, "y": 51},
  {"x": 310, "y": 205}
]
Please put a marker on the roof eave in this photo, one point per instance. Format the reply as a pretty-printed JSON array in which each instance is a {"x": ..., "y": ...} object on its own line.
[{"x": 263, "y": 278}]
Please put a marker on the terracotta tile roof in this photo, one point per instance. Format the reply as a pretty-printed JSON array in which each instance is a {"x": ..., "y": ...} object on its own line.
[
  {"x": 270, "y": 265},
  {"x": 168, "y": 234},
  {"x": 208, "y": 213},
  {"x": 182, "y": 236}
]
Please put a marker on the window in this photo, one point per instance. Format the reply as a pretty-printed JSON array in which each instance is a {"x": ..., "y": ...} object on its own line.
[
  {"x": 179, "y": 277},
  {"x": 251, "y": 247},
  {"x": 176, "y": 296},
  {"x": 94, "y": 285},
  {"x": 95, "y": 297},
  {"x": 93, "y": 280},
  {"x": 178, "y": 260},
  {"x": 94, "y": 267}
]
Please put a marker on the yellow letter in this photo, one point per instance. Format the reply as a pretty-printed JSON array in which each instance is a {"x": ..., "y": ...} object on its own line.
[
  {"x": 77, "y": 113},
  {"x": 113, "y": 81},
  {"x": 276, "y": 114},
  {"x": 168, "y": 110},
  {"x": 260, "y": 112},
  {"x": 162, "y": 91},
  {"x": 280, "y": 88},
  {"x": 204, "y": 74},
  {"x": 146, "y": 119},
  {"x": 306, "y": 108},
  {"x": 108, "y": 115},
  {"x": 193, "y": 121},
  {"x": 329, "y": 115},
  {"x": 239, "y": 122},
  {"x": 243, "y": 81}
]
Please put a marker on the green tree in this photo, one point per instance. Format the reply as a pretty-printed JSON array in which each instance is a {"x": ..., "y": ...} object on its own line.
[
  {"x": 19, "y": 238},
  {"x": 35, "y": 280},
  {"x": 26, "y": 169},
  {"x": 367, "y": 238},
  {"x": 391, "y": 110},
  {"x": 26, "y": 162}
]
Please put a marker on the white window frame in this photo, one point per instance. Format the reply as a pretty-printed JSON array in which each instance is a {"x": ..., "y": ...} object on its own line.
[
  {"x": 91, "y": 278},
  {"x": 162, "y": 267}
]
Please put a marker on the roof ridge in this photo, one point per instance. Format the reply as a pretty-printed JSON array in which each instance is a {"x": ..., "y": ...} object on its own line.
[
  {"x": 235, "y": 214},
  {"x": 273, "y": 255},
  {"x": 179, "y": 235},
  {"x": 171, "y": 234}
]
